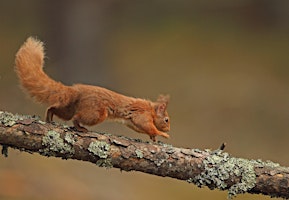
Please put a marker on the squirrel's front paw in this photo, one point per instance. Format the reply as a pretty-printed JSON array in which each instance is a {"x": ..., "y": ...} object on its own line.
[{"x": 165, "y": 135}]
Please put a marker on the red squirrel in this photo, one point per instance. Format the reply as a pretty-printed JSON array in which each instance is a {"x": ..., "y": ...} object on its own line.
[{"x": 86, "y": 104}]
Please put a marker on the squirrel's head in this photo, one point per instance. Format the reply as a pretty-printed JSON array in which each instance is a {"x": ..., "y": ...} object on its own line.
[{"x": 162, "y": 120}]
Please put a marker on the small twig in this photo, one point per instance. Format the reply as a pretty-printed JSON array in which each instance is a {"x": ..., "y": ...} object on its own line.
[
  {"x": 4, "y": 150},
  {"x": 223, "y": 145}
]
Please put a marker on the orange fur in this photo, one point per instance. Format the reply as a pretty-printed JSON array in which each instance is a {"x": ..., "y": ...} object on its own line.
[{"x": 87, "y": 104}]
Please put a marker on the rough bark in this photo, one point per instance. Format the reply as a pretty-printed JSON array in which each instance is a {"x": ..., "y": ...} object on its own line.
[{"x": 214, "y": 169}]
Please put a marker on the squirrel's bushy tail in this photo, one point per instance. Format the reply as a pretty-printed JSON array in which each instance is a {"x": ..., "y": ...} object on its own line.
[{"x": 28, "y": 66}]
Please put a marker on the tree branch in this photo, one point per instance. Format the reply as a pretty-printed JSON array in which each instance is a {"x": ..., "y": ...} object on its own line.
[{"x": 214, "y": 169}]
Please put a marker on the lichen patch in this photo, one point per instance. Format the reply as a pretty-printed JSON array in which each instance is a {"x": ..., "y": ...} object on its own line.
[
  {"x": 8, "y": 119},
  {"x": 219, "y": 167},
  {"x": 99, "y": 148},
  {"x": 69, "y": 138},
  {"x": 54, "y": 143},
  {"x": 139, "y": 153}
]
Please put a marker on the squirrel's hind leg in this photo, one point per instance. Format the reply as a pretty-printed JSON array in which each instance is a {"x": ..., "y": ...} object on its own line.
[
  {"x": 49, "y": 114},
  {"x": 63, "y": 112}
]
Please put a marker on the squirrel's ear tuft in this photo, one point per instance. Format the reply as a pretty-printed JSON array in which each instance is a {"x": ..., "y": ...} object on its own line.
[
  {"x": 161, "y": 104},
  {"x": 163, "y": 99},
  {"x": 161, "y": 108}
]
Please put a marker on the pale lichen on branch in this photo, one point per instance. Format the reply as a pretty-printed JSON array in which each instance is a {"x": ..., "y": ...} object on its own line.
[{"x": 219, "y": 167}]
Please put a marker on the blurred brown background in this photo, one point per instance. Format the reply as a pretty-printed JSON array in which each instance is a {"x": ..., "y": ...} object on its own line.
[{"x": 225, "y": 65}]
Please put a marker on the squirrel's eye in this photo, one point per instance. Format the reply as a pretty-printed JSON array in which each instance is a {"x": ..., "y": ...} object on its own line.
[{"x": 166, "y": 119}]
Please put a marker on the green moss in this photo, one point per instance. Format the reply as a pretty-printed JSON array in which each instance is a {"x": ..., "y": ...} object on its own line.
[
  {"x": 55, "y": 143},
  {"x": 218, "y": 167}
]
